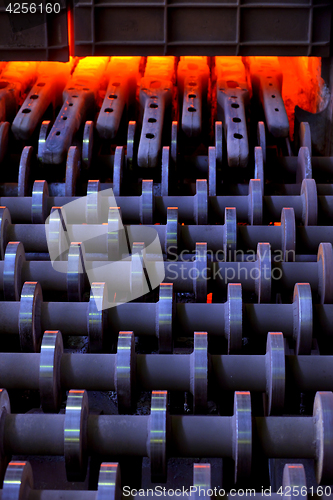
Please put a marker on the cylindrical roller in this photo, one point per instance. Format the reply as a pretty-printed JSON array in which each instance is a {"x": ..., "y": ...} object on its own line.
[
  {"x": 125, "y": 371},
  {"x": 323, "y": 415},
  {"x": 242, "y": 435},
  {"x": 200, "y": 279},
  {"x": 39, "y": 199},
  {"x": 325, "y": 273},
  {"x": 201, "y": 480},
  {"x": 233, "y": 317},
  {"x": 303, "y": 318},
  {"x": 294, "y": 480},
  {"x": 18, "y": 481},
  {"x": 211, "y": 171},
  {"x": 97, "y": 317},
  {"x": 201, "y": 202},
  {"x": 118, "y": 165},
  {"x": 230, "y": 233},
  {"x": 29, "y": 323},
  {"x": 109, "y": 482},
  {"x": 157, "y": 437},
  {"x": 275, "y": 373},
  {"x": 12, "y": 270},
  {"x": 75, "y": 435},
  {"x": 76, "y": 272},
  {"x": 288, "y": 229},
  {"x": 165, "y": 171},
  {"x": 72, "y": 170},
  {"x": 5, "y": 221},
  {"x": 165, "y": 318},
  {"x": 263, "y": 280},
  {"x": 93, "y": 202},
  {"x": 171, "y": 237},
  {"x": 49, "y": 371},
  {"x": 199, "y": 372}
]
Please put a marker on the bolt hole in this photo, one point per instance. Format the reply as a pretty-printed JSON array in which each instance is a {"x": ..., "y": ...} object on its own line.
[
  {"x": 273, "y": 96},
  {"x": 153, "y": 97},
  {"x": 192, "y": 84},
  {"x": 235, "y": 105},
  {"x": 58, "y": 133},
  {"x": 153, "y": 105},
  {"x": 271, "y": 85},
  {"x": 34, "y": 96},
  {"x": 113, "y": 96},
  {"x": 192, "y": 96},
  {"x": 71, "y": 88},
  {"x": 276, "y": 109},
  {"x": 70, "y": 104},
  {"x": 150, "y": 136},
  {"x": 75, "y": 96},
  {"x": 86, "y": 89},
  {"x": 108, "y": 110},
  {"x": 236, "y": 120},
  {"x": 26, "y": 111},
  {"x": 238, "y": 136},
  {"x": 234, "y": 97},
  {"x": 64, "y": 117},
  {"x": 116, "y": 84},
  {"x": 41, "y": 84},
  {"x": 191, "y": 109},
  {"x": 152, "y": 120}
]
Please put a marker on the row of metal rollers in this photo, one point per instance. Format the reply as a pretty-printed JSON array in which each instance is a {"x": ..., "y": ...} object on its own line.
[
  {"x": 253, "y": 208},
  {"x": 301, "y": 167},
  {"x": 52, "y": 372},
  {"x": 199, "y": 276},
  {"x": 76, "y": 435},
  {"x": 233, "y": 319},
  {"x": 18, "y": 484}
]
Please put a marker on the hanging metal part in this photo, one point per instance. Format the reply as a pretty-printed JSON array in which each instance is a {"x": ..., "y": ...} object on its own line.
[{"x": 266, "y": 78}]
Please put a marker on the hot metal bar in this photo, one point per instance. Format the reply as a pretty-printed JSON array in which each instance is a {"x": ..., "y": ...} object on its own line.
[
  {"x": 155, "y": 98},
  {"x": 232, "y": 97},
  {"x": 80, "y": 97},
  {"x": 192, "y": 79},
  {"x": 122, "y": 73}
]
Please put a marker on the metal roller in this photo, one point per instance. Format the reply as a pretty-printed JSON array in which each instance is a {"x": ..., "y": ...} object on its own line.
[
  {"x": 165, "y": 318},
  {"x": 112, "y": 435},
  {"x": 181, "y": 372}
]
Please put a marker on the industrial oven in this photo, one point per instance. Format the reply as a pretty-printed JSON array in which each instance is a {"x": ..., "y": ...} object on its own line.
[{"x": 166, "y": 260}]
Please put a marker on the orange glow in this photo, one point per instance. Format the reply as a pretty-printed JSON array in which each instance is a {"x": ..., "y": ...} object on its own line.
[
  {"x": 70, "y": 32},
  {"x": 209, "y": 298},
  {"x": 301, "y": 85},
  {"x": 301, "y": 81},
  {"x": 232, "y": 70}
]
